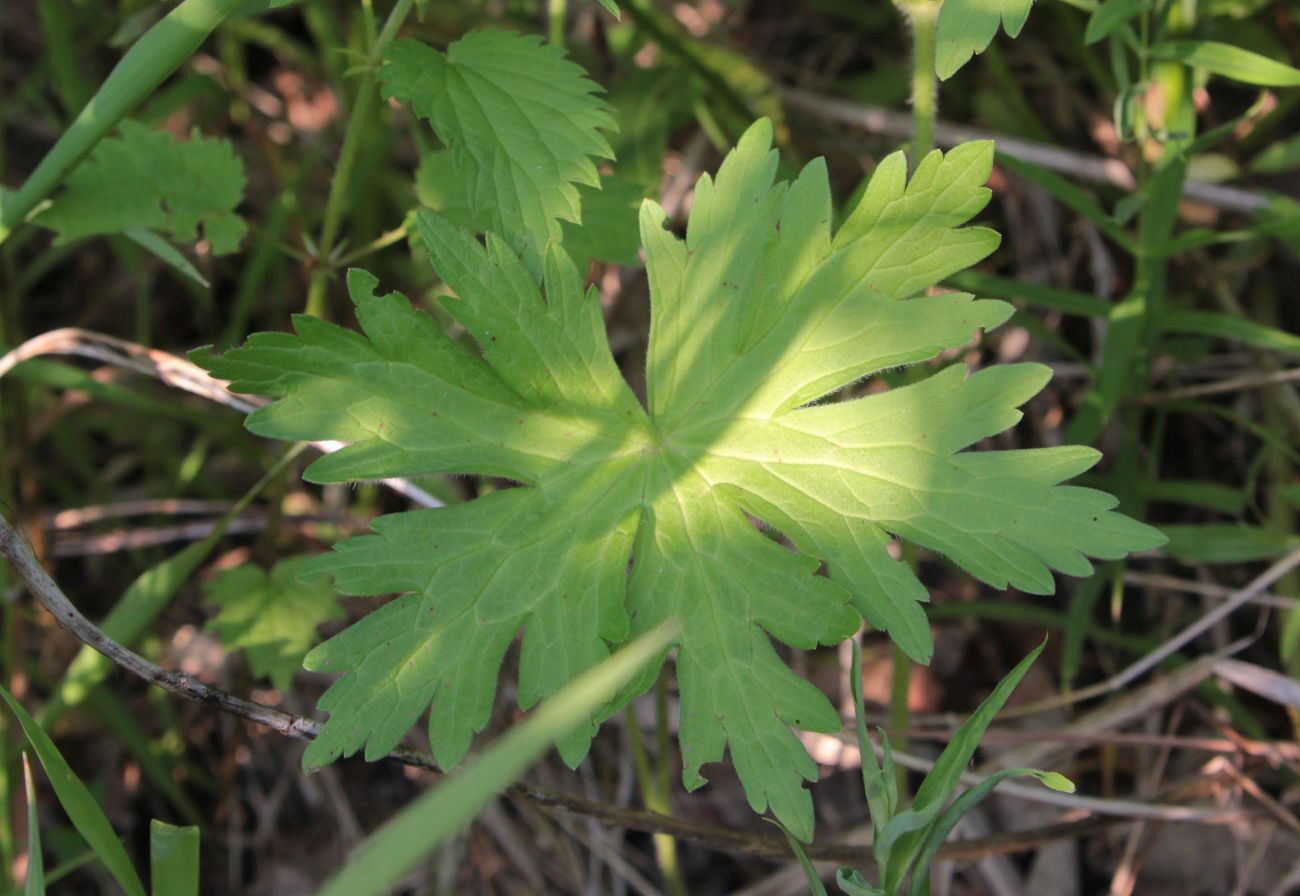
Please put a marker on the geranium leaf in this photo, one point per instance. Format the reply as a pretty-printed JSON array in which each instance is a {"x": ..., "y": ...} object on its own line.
[{"x": 758, "y": 316}]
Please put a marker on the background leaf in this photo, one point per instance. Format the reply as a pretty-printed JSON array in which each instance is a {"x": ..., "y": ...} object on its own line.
[
  {"x": 271, "y": 616},
  {"x": 967, "y": 26},
  {"x": 523, "y": 125},
  {"x": 148, "y": 180}
]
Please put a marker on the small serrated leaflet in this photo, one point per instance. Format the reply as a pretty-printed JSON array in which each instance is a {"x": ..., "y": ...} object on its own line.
[
  {"x": 523, "y": 124},
  {"x": 148, "y": 180}
]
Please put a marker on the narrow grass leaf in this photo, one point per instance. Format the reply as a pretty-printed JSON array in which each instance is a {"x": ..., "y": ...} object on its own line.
[
  {"x": 1070, "y": 196},
  {"x": 810, "y": 874},
  {"x": 853, "y": 883},
  {"x": 1232, "y": 327},
  {"x": 1278, "y": 156},
  {"x": 948, "y": 820},
  {"x": 1195, "y": 493},
  {"x": 34, "y": 885},
  {"x": 80, "y": 806},
  {"x": 1078, "y": 622},
  {"x": 1109, "y": 16},
  {"x": 1050, "y": 297},
  {"x": 1227, "y": 543},
  {"x": 942, "y": 781},
  {"x": 397, "y": 846},
  {"x": 1230, "y": 62},
  {"x": 173, "y": 859},
  {"x": 876, "y": 782},
  {"x": 166, "y": 253}
]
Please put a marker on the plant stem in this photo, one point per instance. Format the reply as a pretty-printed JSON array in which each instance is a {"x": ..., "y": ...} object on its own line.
[
  {"x": 362, "y": 109},
  {"x": 899, "y": 712},
  {"x": 654, "y": 784},
  {"x": 922, "y": 17},
  {"x": 151, "y": 59},
  {"x": 555, "y": 13}
]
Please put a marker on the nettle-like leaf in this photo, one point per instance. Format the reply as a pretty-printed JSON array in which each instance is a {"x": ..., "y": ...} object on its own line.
[
  {"x": 148, "y": 180},
  {"x": 608, "y": 231},
  {"x": 522, "y": 122},
  {"x": 271, "y": 616},
  {"x": 967, "y": 27},
  {"x": 757, "y": 315}
]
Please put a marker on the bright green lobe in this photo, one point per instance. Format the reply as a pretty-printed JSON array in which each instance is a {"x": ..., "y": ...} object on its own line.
[{"x": 758, "y": 313}]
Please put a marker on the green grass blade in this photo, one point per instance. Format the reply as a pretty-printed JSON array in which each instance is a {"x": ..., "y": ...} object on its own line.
[
  {"x": 1052, "y": 298},
  {"x": 1078, "y": 619},
  {"x": 1226, "y": 543},
  {"x": 82, "y": 810},
  {"x": 854, "y": 884},
  {"x": 943, "y": 779},
  {"x": 1229, "y": 62},
  {"x": 173, "y": 859},
  {"x": 879, "y": 805},
  {"x": 1230, "y": 326},
  {"x": 1070, "y": 196},
  {"x": 944, "y": 824},
  {"x": 1196, "y": 493},
  {"x": 1109, "y": 16},
  {"x": 396, "y": 847},
  {"x": 35, "y": 885},
  {"x": 166, "y": 253},
  {"x": 809, "y": 872}
]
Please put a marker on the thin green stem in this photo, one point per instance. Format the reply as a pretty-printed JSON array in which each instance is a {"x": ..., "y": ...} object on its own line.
[
  {"x": 654, "y": 784},
  {"x": 555, "y": 14},
  {"x": 665, "y": 844},
  {"x": 363, "y": 108},
  {"x": 383, "y": 241},
  {"x": 922, "y": 18},
  {"x": 900, "y": 714}
]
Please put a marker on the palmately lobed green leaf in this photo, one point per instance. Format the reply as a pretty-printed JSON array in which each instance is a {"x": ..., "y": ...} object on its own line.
[
  {"x": 522, "y": 122},
  {"x": 758, "y": 315}
]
